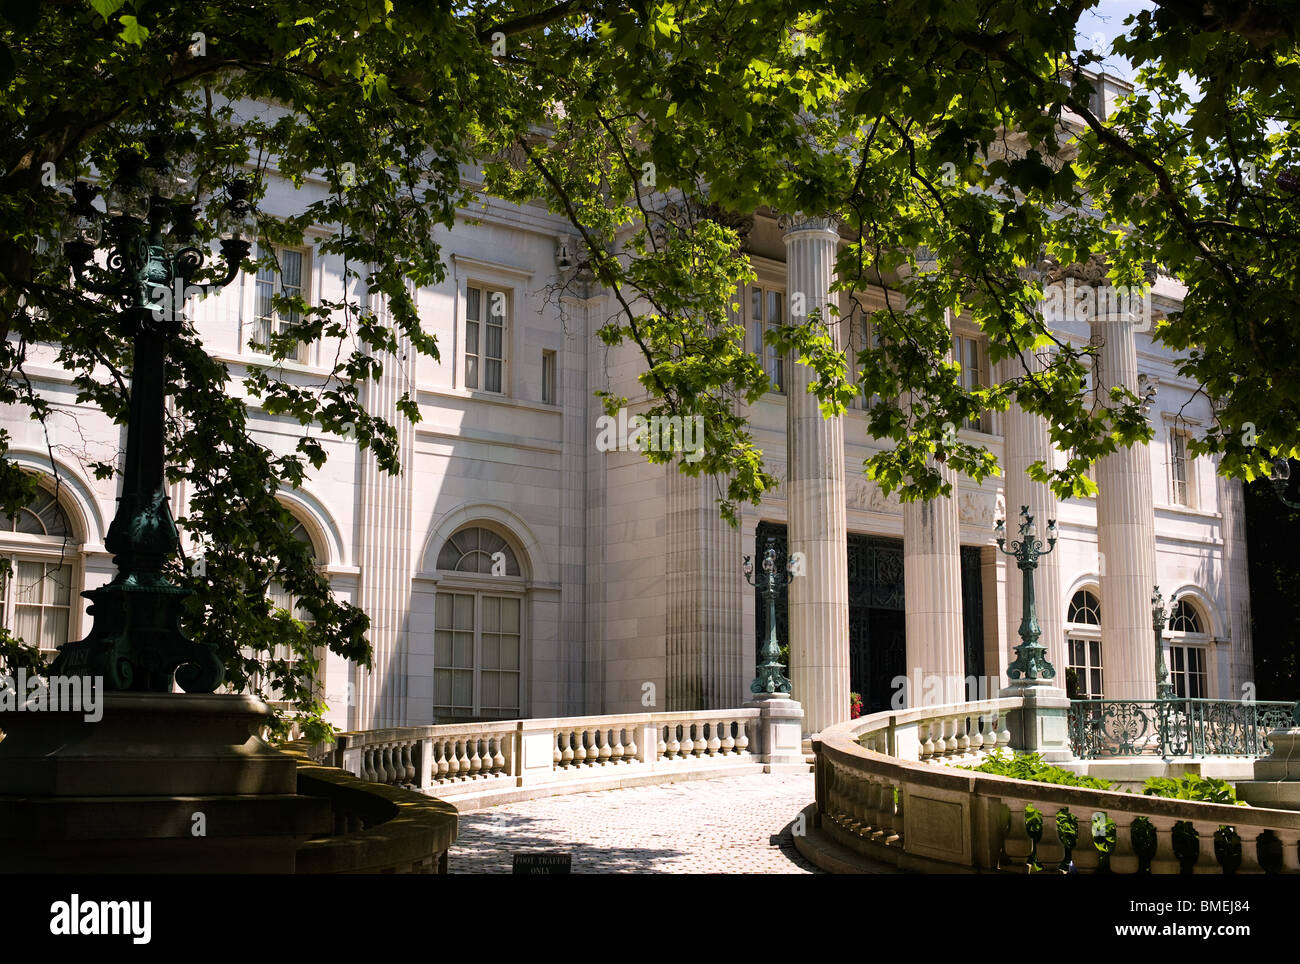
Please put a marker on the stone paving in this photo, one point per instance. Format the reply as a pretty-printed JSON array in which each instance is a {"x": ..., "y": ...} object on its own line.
[{"x": 730, "y": 825}]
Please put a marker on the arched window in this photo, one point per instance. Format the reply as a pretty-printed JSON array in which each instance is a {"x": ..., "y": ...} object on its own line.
[
  {"x": 1185, "y": 618},
  {"x": 1085, "y": 609},
  {"x": 43, "y": 582},
  {"x": 1188, "y": 650},
  {"x": 479, "y": 630},
  {"x": 282, "y": 599},
  {"x": 474, "y": 549},
  {"x": 1083, "y": 643}
]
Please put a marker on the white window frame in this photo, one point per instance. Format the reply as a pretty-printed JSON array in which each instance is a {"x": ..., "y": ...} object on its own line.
[
  {"x": 961, "y": 339},
  {"x": 776, "y": 365},
  {"x": 1198, "y": 642},
  {"x": 16, "y": 547},
  {"x": 485, "y": 289},
  {"x": 1179, "y": 678},
  {"x": 480, "y": 586},
  {"x": 1086, "y": 634},
  {"x": 1178, "y": 439},
  {"x": 550, "y": 377},
  {"x": 253, "y": 326}
]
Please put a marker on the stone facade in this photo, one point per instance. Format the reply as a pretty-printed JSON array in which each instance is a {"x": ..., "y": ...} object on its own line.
[{"x": 628, "y": 589}]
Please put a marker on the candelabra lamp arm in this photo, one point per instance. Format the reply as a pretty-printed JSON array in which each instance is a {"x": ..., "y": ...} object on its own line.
[
  {"x": 79, "y": 255},
  {"x": 233, "y": 251}
]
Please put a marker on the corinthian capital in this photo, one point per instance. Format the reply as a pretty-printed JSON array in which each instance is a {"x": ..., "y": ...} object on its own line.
[{"x": 799, "y": 221}]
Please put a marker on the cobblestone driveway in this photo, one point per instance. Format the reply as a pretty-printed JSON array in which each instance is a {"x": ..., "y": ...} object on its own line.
[{"x": 733, "y": 825}]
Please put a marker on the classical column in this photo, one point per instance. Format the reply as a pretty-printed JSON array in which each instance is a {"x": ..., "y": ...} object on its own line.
[
  {"x": 1125, "y": 530},
  {"x": 819, "y": 599},
  {"x": 384, "y": 555},
  {"x": 932, "y": 597},
  {"x": 1027, "y": 441},
  {"x": 1240, "y": 667},
  {"x": 705, "y": 635}
]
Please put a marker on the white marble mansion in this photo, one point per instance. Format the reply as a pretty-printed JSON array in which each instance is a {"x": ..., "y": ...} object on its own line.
[{"x": 622, "y": 588}]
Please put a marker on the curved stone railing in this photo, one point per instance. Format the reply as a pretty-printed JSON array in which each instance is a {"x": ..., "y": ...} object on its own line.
[
  {"x": 486, "y": 760},
  {"x": 881, "y": 796},
  {"x": 377, "y": 829}
]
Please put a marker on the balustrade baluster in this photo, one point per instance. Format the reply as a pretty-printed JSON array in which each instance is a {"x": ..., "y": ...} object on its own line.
[
  {"x": 1165, "y": 860},
  {"x": 440, "y": 759},
  {"x": 1206, "y": 862},
  {"x": 661, "y": 753},
  {"x": 568, "y": 755},
  {"x": 891, "y": 813},
  {"x": 728, "y": 743},
  {"x": 715, "y": 743},
  {"x": 687, "y": 744},
  {"x": 674, "y": 745},
  {"x": 950, "y": 726},
  {"x": 616, "y": 754},
  {"x": 1123, "y": 859},
  {"x": 742, "y": 737},
  {"x": 976, "y": 736},
  {"x": 579, "y": 747},
  {"x": 1051, "y": 851},
  {"x": 1017, "y": 845},
  {"x": 1086, "y": 856},
  {"x": 1290, "y": 850},
  {"x": 464, "y": 759},
  {"x": 1004, "y": 735},
  {"x": 499, "y": 758},
  {"x": 963, "y": 736},
  {"x": 925, "y": 748},
  {"x": 408, "y": 761},
  {"x": 1250, "y": 853}
]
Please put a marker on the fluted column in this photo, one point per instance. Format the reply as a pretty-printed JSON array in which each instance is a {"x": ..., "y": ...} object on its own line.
[
  {"x": 1125, "y": 531},
  {"x": 1027, "y": 441},
  {"x": 705, "y": 636},
  {"x": 932, "y": 599},
  {"x": 819, "y": 599},
  {"x": 1236, "y": 581}
]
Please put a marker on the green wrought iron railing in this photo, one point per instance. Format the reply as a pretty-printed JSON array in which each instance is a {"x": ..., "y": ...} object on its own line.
[{"x": 1175, "y": 727}]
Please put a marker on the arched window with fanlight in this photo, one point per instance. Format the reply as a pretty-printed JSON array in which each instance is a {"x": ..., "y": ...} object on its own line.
[
  {"x": 282, "y": 599},
  {"x": 1189, "y": 639},
  {"x": 41, "y": 588},
  {"x": 1083, "y": 643},
  {"x": 479, "y": 628}
]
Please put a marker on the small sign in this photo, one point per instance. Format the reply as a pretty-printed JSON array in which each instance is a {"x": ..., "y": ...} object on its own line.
[{"x": 543, "y": 863}]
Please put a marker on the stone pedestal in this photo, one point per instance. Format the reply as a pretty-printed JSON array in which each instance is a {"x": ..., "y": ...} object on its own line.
[
  {"x": 1042, "y": 724},
  {"x": 1277, "y": 776},
  {"x": 779, "y": 733},
  {"x": 162, "y": 783}
]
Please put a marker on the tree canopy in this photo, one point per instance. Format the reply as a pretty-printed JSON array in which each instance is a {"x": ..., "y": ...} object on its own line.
[{"x": 957, "y": 142}]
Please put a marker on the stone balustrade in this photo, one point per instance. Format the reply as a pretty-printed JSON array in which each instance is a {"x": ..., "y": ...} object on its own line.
[
  {"x": 881, "y": 796},
  {"x": 496, "y": 761}
]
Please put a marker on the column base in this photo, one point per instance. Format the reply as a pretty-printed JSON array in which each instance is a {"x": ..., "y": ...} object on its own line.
[{"x": 1042, "y": 723}]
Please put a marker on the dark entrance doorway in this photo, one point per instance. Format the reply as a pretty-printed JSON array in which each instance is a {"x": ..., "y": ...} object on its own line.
[{"x": 877, "y": 624}]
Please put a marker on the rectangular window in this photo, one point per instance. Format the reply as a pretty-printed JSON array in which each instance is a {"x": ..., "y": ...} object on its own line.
[
  {"x": 549, "y": 393},
  {"x": 968, "y": 352},
  {"x": 1085, "y": 660},
  {"x": 287, "y": 280},
  {"x": 477, "y": 655},
  {"x": 1187, "y": 672},
  {"x": 487, "y": 313},
  {"x": 1180, "y": 493},
  {"x": 767, "y": 313},
  {"x": 38, "y": 606}
]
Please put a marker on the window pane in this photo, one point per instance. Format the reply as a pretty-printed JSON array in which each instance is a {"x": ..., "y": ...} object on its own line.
[
  {"x": 471, "y": 338},
  {"x": 491, "y": 652},
  {"x": 442, "y": 687},
  {"x": 465, "y": 612},
  {"x": 510, "y": 615},
  {"x": 472, "y": 304},
  {"x": 471, "y": 372},
  {"x": 509, "y": 652},
  {"x": 442, "y": 619},
  {"x": 491, "y": 614},
  {"x": 291, "y": 271},
  {"x": 756, "y": 304},
  {"x": 462, "y": 689},
  {"x": 509, "y": 692},
  {"x": 775, "y": 312},
  {"x": 493, "y": 341},
  {"x": 30, "y": 577},
  {"x": 492, "y": 376},
  {"x": 442, "y": 648},
  {"x": 489, "y": 684},
  {"x": 497, "y": 306},
  {"x": 463, "y": 651}
]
